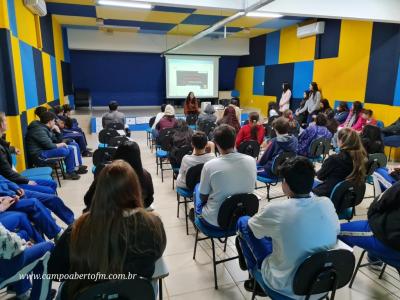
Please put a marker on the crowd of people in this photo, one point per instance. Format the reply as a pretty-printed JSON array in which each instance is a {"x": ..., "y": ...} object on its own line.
[{"x": 118, "y": 232}]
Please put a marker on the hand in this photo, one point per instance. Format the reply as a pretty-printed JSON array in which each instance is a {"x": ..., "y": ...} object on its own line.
[
  {"x": 17, "y": 151},
  {"x": 56, "y": 128},
  {"x": 61, "y": 145},
  {"x": 20, "y": 193},
  {"x": 28, "y": 244},
  {"x": 30, "y": 182},
  {"x": 5, "y": 203},
  {"x": 297, "y": 113}
]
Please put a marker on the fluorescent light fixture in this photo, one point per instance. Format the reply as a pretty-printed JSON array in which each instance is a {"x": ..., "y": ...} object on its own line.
[
  {"x": 260, "y": 14},
  {"x": 125, "y": 4}
]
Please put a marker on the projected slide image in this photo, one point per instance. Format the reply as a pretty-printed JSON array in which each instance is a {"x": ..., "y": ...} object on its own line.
[{"x": 192, "y": 78}]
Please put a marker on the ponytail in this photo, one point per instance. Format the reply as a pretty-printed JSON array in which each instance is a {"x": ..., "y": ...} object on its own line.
[{"x": 253, "y": 119}]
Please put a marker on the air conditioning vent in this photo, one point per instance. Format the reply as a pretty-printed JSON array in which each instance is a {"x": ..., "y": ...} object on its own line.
[
  {"x": 37, "y": 7},
  {"x": 310, "y": 30}
]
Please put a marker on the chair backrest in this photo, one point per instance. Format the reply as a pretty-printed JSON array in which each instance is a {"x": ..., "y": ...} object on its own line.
[
  {"x": 279, "y": 160},
  {"x": 191, "y": 119},
  {"x": 319, "y": 147},
  {"x": 176, "y": 155},
  {"x": 346, "y": 194},
  {"x": 115, "y": 126},
  {"x": 103, "y": 155},
  {"x": 115, "y": 141},
  {"x": 376, "y": 161},
  {"x": 151, "y": 121},
  {"x": 193, "y": 176},
  {"x": 234, "y": 207},
  {"x": 207, "y": 127},
  {"x": 165, "y": 138},
  {"x": 134, "y": 289},
  {"x": 251, "y": 148},
  {"x": 323, "y": 272},
  {"x": 106, "y": 134}
]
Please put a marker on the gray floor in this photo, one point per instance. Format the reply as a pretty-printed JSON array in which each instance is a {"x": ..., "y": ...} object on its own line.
[{"x": 193, "y": 279}]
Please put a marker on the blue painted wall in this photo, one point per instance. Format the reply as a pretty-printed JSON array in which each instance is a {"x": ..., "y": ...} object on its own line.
[{"x": 133, "y": 79}]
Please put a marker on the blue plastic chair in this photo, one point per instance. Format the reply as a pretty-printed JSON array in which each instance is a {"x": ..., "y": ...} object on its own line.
[
  {"x": 34, "y": 173},
  {"x": 380, "y": 124}
]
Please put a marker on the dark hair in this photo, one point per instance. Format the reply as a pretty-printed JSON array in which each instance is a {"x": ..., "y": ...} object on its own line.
[
  {"x": 321, "y": 120},
  {"x": 253, "y": 119},
  {"x": 225, "y": 136},
  {"x": 129, "y": 151},
  {"x": 199, "y": 140},
  {"x": 181, "y": 125},
  {"x": 357, "y": 107},
  {"x": 230, "y": 118},
  {"x": 286, "y": 86},
  {"x": 298, "y": 172},
  {"x": 188, "y": 97},
  {"x": 39, "y": 110},
  {"x": 281, "y": 125},
  {"x": 343, "y": 106},
  {"x": 234, "y": 101},
  {"x": 307, "y": 94},
  {"x": 68, "y": 122},
  {"x": 371, "y": 138},
  {"x": 46, "y": 116},
  {"x": 272, "y": 105},
  {"x": 325, "y": 104},
  {"x": 113, "y": 105},
  {"x": 368, "y": 112},
  {"x": 314, "y": 86},
  {"x": 67, "y": 108},
  {"x": 163, "y": 107},
  {"x": 58, "y": 109}
]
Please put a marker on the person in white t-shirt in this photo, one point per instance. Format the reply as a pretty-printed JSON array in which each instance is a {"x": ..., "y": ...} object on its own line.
[
  {"x": 229, "y": 174},
  {"x": 281, "y": 236},
  {"x": 284, "y": 102},
  {"x": 199, "y": 156},
  {"x": 159, "y": 116}
]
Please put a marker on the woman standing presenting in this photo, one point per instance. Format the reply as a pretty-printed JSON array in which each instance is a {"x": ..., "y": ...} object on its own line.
[
  {"x": 284, "y": 103},
  {"x": 191, "y": 106}
]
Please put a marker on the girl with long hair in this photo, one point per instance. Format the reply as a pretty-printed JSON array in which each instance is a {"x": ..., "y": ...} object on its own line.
[
  {"x": 312, "y": 104},
  {"x": 284, "y": 102},
  {"x": 191, "y": 106},
  {"x": 348, "y": 164},
  {"x": 230, "y": 118},
  {"x": 371, "y": 138},
  {"x": 116, "y": 236},
  {"x": 251, "y": 131},
  {"x": 341, "y": 112}
]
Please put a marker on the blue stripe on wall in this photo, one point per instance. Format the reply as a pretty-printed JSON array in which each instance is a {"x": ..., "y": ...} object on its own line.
[
  {"x": 71, "y": 9},
  {"x": 258, "y": 80},
  {"x": 28, "y": 71},
  {"x": 65, "y": 44},
  {"x": 227, "y": 72},
  {"x": 12, "y": 18},
  {"x": 54, "y": 77},
  {"x": 396, "y": 101},
  {"x": 272, "y": 48},
  {"x": 40, "y": 86},
  {"x": 383, "y": 63},
  {"x": 303, "y": 75},
  {"x": 46, "y": 28},
  {"x": 327, "y": 44},
  {"x": 275, "y": 75},
  {"x": 257, "y": 52}
]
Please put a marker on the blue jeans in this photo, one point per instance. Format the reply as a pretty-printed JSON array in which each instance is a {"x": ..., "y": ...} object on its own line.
[
  {"x": 10, "y": 267},
  {"x": 254, "y": 250},
  {"x": 43, "y": 186},
  {"x": 54, "y": 203},
  {"x": 374, "y": 247},
  {"x": 19, "y": 223},
  {"x": 67, "y": 153},
  {"x": 198, "y": 208},
  {"x": 39, "y": 215},
  {"x": 78, "y": 138},
  {"x": 392, "y": 140}
]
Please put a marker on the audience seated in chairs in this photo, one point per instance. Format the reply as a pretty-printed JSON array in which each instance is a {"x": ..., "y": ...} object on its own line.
[
  {"x": 114, "y": 116},
  {"x": 379, "y": 235},
  {"x": 75, "y": 135},
  {"x": 348, "y": 164},
  {"x": 159, "y": 116},
  {"x": 371, "y": 138},
  {"x": 229, "y": 174},
  {"x": 41, "y": 144},
  {"x": 302, "y": 117},
  {"x": 341, "y": 112},
  {"x": 206, "y": 116},
  {"x": 230, "y": 118},
  {"x": 279, "y": 238},
  {"x": 199, "y": 156},
  {"x": 116, "y": 236},
  {"x": 294, "y": 127},
  {"x": 283, "y": 142},
  {"x": 129, "y": 152},
  {"x": 168, "y": 120},
  {"x": 251, "y": 131},
  {"x": 20, "y": 257},
  {"x": 313, "y": 132}
]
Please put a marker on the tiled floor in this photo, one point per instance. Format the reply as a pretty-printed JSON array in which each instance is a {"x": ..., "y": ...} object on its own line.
[{"x": 193, "y": 279}]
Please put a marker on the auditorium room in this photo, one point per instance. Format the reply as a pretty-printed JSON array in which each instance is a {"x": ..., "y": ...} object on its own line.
[{"x": 191, "y": 150}]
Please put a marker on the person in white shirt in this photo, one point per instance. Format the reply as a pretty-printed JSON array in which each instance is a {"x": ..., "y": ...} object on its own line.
[
  {"x": 159, "y": 116},
  {"x": 229, "y": 174},
  {"x": 281, "y": 236},
  {"x": 199, "y": 156},
  {"x": 284, "y": 102}
]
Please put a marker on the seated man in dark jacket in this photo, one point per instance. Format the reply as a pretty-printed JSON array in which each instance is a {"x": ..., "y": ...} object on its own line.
[
  {"x": 283, "y": 142},
  {"x": 380, "y": 234},
  {"x": 41, "y": 143},
  {"x": 6, "y": 168}
]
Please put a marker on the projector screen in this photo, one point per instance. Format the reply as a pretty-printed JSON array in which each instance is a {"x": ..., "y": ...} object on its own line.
[{"x": 197, "y": 74}]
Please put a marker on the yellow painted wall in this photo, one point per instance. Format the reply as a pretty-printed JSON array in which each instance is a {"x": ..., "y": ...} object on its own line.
[
  {"x": 4, "y": 14},
  {"x": 293, "y": 49}
]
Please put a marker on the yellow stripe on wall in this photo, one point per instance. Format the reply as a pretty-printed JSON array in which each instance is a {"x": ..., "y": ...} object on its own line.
[
  {"x": 48, "y": 80},
  {"x": 244, "y": 84},
  {"x": 58, "y": 41},
  {"x": 14, "y": 136},
  {"x": 26, "y": 24},
  {"x": 4, "y": 22},
  {"x": 293, "y": 49},
  {"x": 19, "y": 79},
  {"x": 60, "y": 82}
]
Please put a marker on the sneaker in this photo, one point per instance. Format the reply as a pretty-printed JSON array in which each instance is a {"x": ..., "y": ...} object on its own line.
[
  {"x": 249, "y": 286},
  {"x": 375, "y": 263},
  {"x": 72, "y": 176},
  {"x": 81, "y": 171},
  {"x": 191, "y": 215},
  {"x": 83, "y": 167},
  {"x": 87, "y": 153}
]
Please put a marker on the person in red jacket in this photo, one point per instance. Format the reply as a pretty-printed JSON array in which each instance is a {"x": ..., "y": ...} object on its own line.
[
  {"x": 191, "y": 106},
  {"x": 251, "y": 131}
]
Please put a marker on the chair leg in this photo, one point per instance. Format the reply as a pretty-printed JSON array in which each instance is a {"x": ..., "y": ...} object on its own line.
[
  {"x": 162, "y": 170},
  {"x": 383, "y": 271},
  {"x": 390, "y": 152},
  {"x": 268, "y": 188},
  {"x": 356, "y": 270},
  {"x": 253, "y": 295},
  {"x": 214, "y": 264},
  {"x": 57, "y": 175},
  {"x": 160, "y": 293},
  {"x": 178, "y": 198},
  {"x": 226, "y": 242},
  {"x": 186, "y": 217},
  {"x": 156, "y": 165},
  {"x": 195, "y": 243},
  {"x": 62, "y": 165}
]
